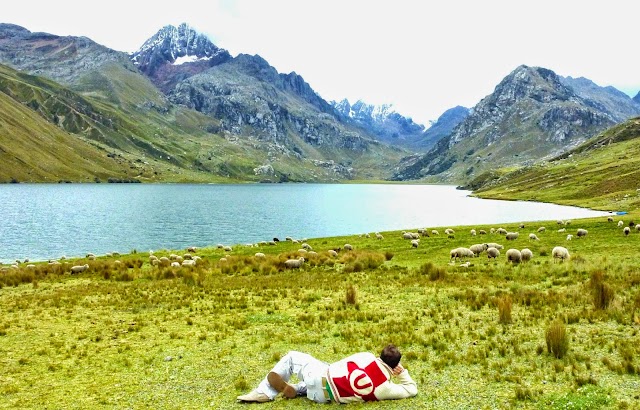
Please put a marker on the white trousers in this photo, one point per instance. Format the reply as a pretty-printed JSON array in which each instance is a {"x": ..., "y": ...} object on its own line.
[{"x": 307, "y": 369}]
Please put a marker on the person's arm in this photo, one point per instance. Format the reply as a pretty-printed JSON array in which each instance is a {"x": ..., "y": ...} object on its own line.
[{"x": 405, "y": 386}]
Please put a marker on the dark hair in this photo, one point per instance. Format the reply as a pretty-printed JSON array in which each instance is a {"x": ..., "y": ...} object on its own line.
[{"x": 391, "y": 355}]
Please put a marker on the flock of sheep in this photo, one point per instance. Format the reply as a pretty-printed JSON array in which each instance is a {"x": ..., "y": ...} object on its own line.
[{"x": 491, "y": 249}]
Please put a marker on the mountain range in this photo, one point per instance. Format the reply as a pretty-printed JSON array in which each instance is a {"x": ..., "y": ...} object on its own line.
[
  {"x": 182, "y": 109},
  {"x": 532, "y": 114}
]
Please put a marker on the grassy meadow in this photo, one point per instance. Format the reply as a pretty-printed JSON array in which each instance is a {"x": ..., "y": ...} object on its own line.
[{"x": 535, "y": 335}]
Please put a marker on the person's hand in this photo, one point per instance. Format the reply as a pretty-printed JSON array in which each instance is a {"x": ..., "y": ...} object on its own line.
[{"x": 397, "y": 370}]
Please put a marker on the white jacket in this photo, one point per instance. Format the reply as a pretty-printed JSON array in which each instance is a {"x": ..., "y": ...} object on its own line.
[{"x": 364, "y": 377}]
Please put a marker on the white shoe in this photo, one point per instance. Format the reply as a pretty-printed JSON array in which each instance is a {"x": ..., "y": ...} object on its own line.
[{"x": 254, "y": 397}]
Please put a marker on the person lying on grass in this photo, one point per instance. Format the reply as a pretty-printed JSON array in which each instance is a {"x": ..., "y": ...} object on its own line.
[{"x": 357, "y": 378}]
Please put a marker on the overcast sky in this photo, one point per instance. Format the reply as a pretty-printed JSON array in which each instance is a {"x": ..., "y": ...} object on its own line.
[{"x": 421, "y": 56}]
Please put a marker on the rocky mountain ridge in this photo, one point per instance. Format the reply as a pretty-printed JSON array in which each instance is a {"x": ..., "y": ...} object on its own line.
[{"x": 530, "y": 115}]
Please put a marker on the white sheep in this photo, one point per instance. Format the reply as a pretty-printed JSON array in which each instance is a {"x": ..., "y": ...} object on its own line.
[
  {"x": 407, "y": 235},
  {"x": 569, "y": 237},
  {"x": 415, "y": 243},
  {"x": 473, "y": 232},
  {"x": 562, "y": 230},
  {"x": 495, "y": 245},
  {"x": 312, "y": 254},
  {"x": 542, "y": 229},
  {"x": 461, "y": 253},
  {"x": 511, "y": 236},
  {"x": 492, "y": 252},
  {"x": 219, "y": 246},
  {"x": 501, "y": 231},
  {"x": 164, "y": 261},
  {"x": 306, "y": 246},
  {"x": 260, "y": 255},
  {"x": 526, "y": 255},
  {"x": 435, "y": 232},
  {"x": 302, "y": 251},
  {"x": 187, "y": 256},
  {"x": 333, "y": 253},
  {"x": 79, "y": 268},
  {"x": 223, "y": 260},
  {"x": 620, "y": 223},
  {"x": 514, "y": 256},
  {"x": 449, "y": 231},
  {"x": 478, "y": 248},
  {"x": 638, "y": 227},
  {"x": 581, "y": 233},
  {"x": 610, "y": 219},
  {"x": 482, "y": 232},
  {"x": 188, "y": 262},
  {"x": 533, "y": 237},
  {"x": 294, "y": 263},
  {"x": 626, "y": 230},
  {"x": 175, "y": 264},
  {"x": 379, "y": 236},
  {"x": 347, "y": 247},
  {"x": 492, "y": 231},
  {"x": 227, "y": 249},
  {"x": 192, "y": 249},
  {"x": 560, "y": 252}
]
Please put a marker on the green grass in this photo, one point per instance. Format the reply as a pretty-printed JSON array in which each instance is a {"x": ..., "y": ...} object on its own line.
[
  {"x": 603, "y": 174},
  {"x": 141, "y": 336}
]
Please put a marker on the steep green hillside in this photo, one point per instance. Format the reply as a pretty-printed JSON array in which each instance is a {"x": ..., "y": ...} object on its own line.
[{"x": 603, "y": 173}]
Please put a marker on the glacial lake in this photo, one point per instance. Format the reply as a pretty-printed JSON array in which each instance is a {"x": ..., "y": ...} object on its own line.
[{"x": 46, "y": 221}]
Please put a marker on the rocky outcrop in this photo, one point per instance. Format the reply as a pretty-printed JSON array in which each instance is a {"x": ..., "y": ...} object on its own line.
[{"x": 607, "y": 100}]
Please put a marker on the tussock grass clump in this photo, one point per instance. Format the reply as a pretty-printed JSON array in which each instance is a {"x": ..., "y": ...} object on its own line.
[
  {"x": 557, "y": 339},
  {"x": 504, "y": 304},
  {"x": 432, "y": 271},
  {"x": 351, "y": 297},
  {"x": 602, "y": 293}
]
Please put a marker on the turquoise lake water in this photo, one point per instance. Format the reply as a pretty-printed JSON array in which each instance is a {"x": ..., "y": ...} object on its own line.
[{"x": 43, "y": 221}]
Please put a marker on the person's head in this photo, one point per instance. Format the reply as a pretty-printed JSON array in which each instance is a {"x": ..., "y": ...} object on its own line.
[{"x": 391, "y": 356}]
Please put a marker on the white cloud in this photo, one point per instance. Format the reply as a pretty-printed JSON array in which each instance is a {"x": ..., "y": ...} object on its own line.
[{"x": 423, "y": 57}]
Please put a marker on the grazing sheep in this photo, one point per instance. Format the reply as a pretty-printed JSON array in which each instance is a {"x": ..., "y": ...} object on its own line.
[
  {"x": 276, "y": 240},
  {"x": 312, "y": 254},
  {"x": 117, "y": 263},
  {"x": 260, "y": 255},
  {"x": 626, "y": 230},
  {"x": 560, "y": 222},
  {"x": 514, "y": 256},
  {"x": 473, "y": 232},
  {"x": 569, "y": 237},
  {"x": 219, "y": 246},
  {"x": 31, "y": 267},
  {"x": 492, "y": 252},
  {"x": 272, "y": 243},
  {"x": 638, "y": 227},
  {"x": 465, "y": 264},
  {"x": 173, "y": 256},
  {"x": 175, "y": 264},
  {"x": 192, "y": 249},
  {"x": 227, "y": 249},
  {"x": 567, "y": 222},
  {"x": 495, "y": 245},
  {"x": 188, "y": 262},
  {"x": 501, "y": 231},
  {"x": 478, "y": 248},
  {"x": 542, "y": 229},
  {"x": 610, "y": 218},
  {"x": 560, "y": 252},
  {"x": 526, "y": 255},
  {"x": 434, "y": 232},
  {"x": 581, "y": 233},
  {"x": 294, "y": 263},
  {"x": 79, "y": 268},
  {"x": 302, "y": 251},
  {"x": 562, "y": 230},
  {"x": 461, "y": 253},
  {"x": 620, "y": 223},
  {"x": 482, "y": 232},
  {"x": 347, "y": 247},
  {"x": 511, "y": 236},
  {"x": 289, "y": 239},
  {"x": 154, "y": 262},
  {"x": 533, "y": 237},
  {"x": 379, "y": 236},
  {"x": 449, "y": 231},
  {"x": 407, "y": 235},
  {"x": 492, "y": 231},
  {"x": 332, "y": 253},
  {"x": 415, "y": 243},
  {"x": 223, "y": 260},
  {"x": 187, "y": 256},
  {"x": 306, "y": 246},
  {"x": 521, "y": 226}
]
